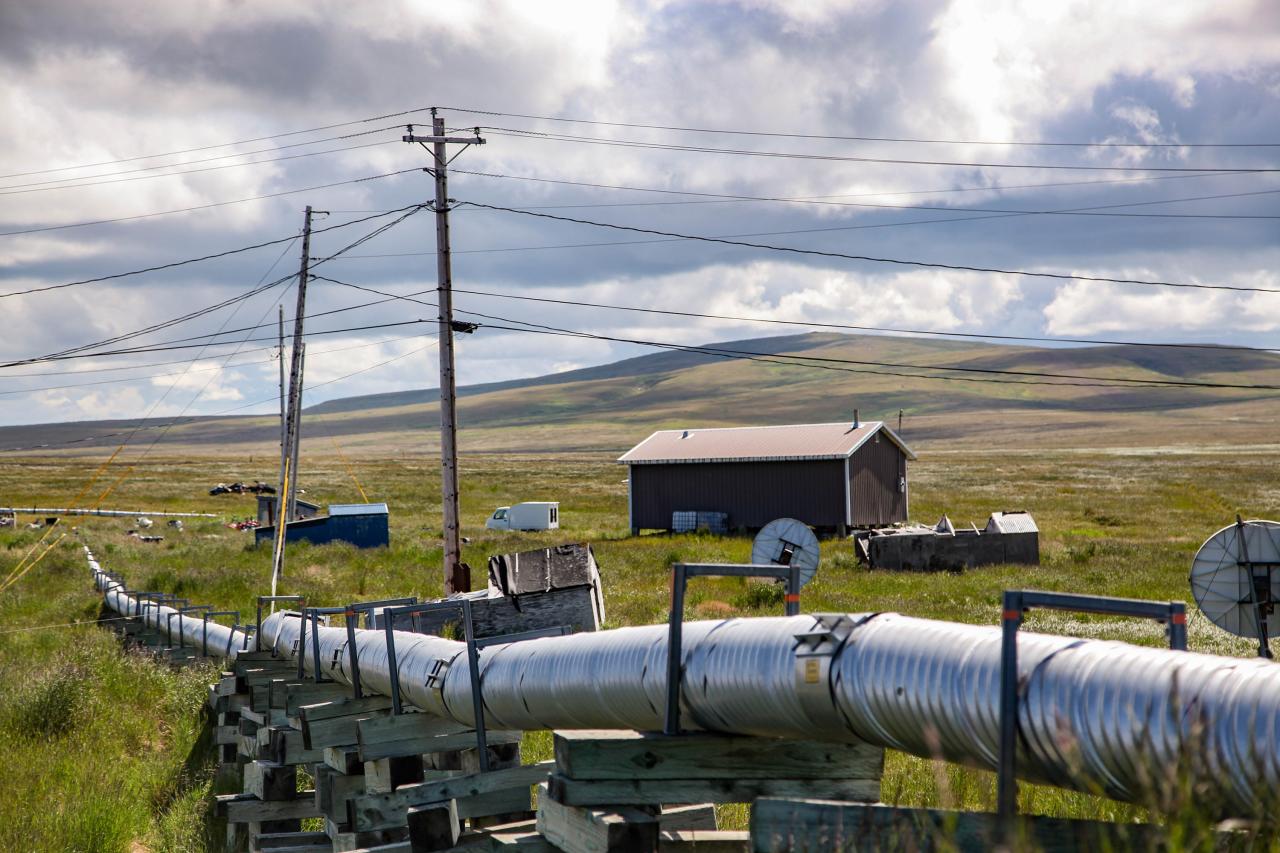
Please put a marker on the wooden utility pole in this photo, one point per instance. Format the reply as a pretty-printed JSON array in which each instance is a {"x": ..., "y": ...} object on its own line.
[
  {"x": 456, "y": 576},
  {"x": 286, "y": 498},
  {"x": 284, "y": 441}
]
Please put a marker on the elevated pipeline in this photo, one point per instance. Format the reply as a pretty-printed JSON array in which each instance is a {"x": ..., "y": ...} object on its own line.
[{"x": 1096, "y": 716}]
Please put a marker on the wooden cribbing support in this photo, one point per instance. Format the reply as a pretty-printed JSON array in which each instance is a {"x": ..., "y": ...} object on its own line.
[{"x": 783, "y": 825}]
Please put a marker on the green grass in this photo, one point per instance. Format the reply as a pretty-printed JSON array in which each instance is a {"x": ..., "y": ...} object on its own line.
[{"x": 102, "y": 749}]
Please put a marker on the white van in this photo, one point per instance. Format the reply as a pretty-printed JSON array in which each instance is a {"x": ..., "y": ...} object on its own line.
[{"x": 531, "y": 515}]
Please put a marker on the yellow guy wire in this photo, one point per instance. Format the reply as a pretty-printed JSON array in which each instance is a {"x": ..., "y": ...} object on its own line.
[
  {"x": 33, "y": 564},
  {"x": 350, "y": 471},
  {"x": 93, "y": 478}
]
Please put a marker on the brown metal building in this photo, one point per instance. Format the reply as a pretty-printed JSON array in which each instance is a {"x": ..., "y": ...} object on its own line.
[{"x": 832, "y": 476}]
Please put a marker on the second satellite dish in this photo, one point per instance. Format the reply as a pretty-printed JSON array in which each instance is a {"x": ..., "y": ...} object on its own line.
[
  {"x": 1235, "y": 578},
  {"x": 787, "y": 542}
]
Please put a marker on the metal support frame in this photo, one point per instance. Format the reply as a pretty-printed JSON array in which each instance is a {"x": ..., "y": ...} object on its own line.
[
  {"x": 204, "y": 638},
  {"x": 182, "y": 611},
  {"x": 314, "y": 614},
  {"x": 463, "y": 608},
  {"x": 351, "y": 613},
  {"x": 266, "y": 599},
  {"x": 1172, "y": 614},
  {"x": 1259, "y": 589},
  {"x": 680, "y": 574},
  {"x": 168, "y": 622}
]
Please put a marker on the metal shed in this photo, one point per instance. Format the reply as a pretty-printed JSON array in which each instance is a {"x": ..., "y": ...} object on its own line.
[
  {"x": 833, "y": 476},
  {"x": 363, "y": 525}
]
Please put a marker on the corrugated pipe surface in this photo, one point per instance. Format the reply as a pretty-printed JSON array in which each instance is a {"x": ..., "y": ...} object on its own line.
[{"x": 1094, "y": 716}]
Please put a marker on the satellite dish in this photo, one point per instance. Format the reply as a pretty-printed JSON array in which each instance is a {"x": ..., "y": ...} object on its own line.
[
  {"x": 1235, "y": 578},
  {"x": 787, "y": 542}
]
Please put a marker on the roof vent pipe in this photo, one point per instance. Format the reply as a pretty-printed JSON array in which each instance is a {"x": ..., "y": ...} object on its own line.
[{"x": 856, "y": 423}]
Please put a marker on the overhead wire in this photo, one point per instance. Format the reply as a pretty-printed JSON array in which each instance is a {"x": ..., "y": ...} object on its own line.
[
  {"x": 282, "y": 135},
  {"x": 112, "y": 181},
  {"x": 214, "y": 256},
  {"x": 1118, "y": 381},
  {"x": 233, "y": 409},
  {"x": 712, "y": 197},
  {"x": 871, "y": 258},
  {"x": 849, "y": 138},
  {"x": 844, "y": 158},
  {"x": 193, "y": 208},
  {"x": 857, "y": 328},
  {"x": 1071, "y": 380}
]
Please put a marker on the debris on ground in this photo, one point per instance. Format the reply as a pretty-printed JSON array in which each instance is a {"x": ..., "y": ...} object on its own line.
[
  {"x": 257, "y": 488},
  {"x": 144, "y": 537},
  {"x": 143, "y": 521},
  {"x": 246, "y": 524},
  {"x": 176, "y": 524}
]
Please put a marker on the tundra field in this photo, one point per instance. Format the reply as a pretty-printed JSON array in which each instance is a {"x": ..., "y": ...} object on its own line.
[{"x": 104, "y": 750}]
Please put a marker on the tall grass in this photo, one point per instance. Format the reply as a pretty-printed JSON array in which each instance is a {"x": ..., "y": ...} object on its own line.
[{"x": 102, "y": 749}]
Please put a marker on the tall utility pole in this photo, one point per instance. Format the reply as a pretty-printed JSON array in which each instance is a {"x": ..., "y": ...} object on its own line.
[
  {"x": 286, "y": 498},
  {"x": 457, "y": 578},
  {"x": 284, "y": 443}
]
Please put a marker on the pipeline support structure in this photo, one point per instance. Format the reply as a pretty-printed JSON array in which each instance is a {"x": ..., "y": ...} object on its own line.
[{"x": 1096, "y": 716}]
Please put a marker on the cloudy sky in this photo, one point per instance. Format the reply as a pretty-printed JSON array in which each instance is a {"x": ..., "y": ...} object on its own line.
[{"x": 89, "y": 91}]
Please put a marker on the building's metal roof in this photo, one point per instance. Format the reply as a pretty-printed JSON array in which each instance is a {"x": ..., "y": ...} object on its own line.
[
  {"x": 1012, "y": 522},
  {"x": 795, "y": 442},
  {"x": 358, "y": 509}
]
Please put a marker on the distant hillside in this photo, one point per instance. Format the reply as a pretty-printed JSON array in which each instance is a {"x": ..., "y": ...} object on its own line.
[
  {"x": 645, "y": 365},
  {"x": 609, "y": 408}
]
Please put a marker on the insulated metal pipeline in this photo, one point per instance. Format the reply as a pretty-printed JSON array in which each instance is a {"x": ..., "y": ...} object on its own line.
[
  {"x": 1094, "y": 715},
  {"x": 195, "y": 632}
]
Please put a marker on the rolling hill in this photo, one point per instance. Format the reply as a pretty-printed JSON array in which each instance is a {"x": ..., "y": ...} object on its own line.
[{"x": 610, "y": 407}]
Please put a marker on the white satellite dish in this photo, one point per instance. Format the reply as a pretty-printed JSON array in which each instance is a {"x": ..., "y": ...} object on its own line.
[
  {"x": 1235, "y": 578},
  {"x": 787, "y": 542}
]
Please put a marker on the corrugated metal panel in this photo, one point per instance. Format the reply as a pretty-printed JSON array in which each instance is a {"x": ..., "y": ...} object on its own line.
[
  {"x": 877, "y": 484},
  {"x": 358, "y": 509},
  {"x": 750, "y": 444},
  {"x": 1012, "y": 522},
  {"x": 752, "y": 493}
]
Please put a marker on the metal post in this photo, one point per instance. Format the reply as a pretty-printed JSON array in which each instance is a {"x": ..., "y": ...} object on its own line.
[
  {"x": 456, "y": 577},
  {"x": 477, "y": 699},
  {"x": 793, "y": 592},
  {"x": 671, "y": 722},
  {"x": 350, "y": 616},
  {"x": 393, "y": 669},
  {"x": 1006, "y": 783},
  {"x": 1177, "y": 626},
  {"x": 302, "y": 645},
  {"x": 1258, "y": 592}
]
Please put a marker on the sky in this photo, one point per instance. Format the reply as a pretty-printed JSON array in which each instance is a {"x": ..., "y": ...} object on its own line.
[{"x": 318, "y": 94}]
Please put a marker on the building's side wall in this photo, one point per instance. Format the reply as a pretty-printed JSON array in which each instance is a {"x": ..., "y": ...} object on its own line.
[
  {"x": 752, "y": 493},
  {"x": 877, "y": 477}
]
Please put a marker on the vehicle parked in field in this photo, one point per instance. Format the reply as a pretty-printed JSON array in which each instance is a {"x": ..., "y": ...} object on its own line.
[{"x": 530, "y": 515}]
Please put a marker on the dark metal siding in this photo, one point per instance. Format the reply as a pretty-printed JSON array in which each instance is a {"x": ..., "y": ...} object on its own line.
[
  {"x": 875, "y": 470},
  {"x": 363, "y": 531},
  {"x": 753, "y": 493}
]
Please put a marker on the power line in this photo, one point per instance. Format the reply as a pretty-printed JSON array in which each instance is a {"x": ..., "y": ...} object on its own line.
[
  {"x": 219, "y": 145},
  {"x": 194, "y": 171},
  {"x": 829, "y": 363},
  {"x": 140, "y": 169},
  {"x": 836, "y": 158},
  {"x": 872, "y": 259},
  {"x": 88, "y": 438},
  {"x": 214, "y": 369},
  {"x": 193, "y": 208},
  {"x": 172, "y": 264},
  {"x": 1128, "y": 382},
  {"x": 842, "y": 138},
  {"x": 1095, "y": 210},
  {"x": 851, "y": 327}
]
